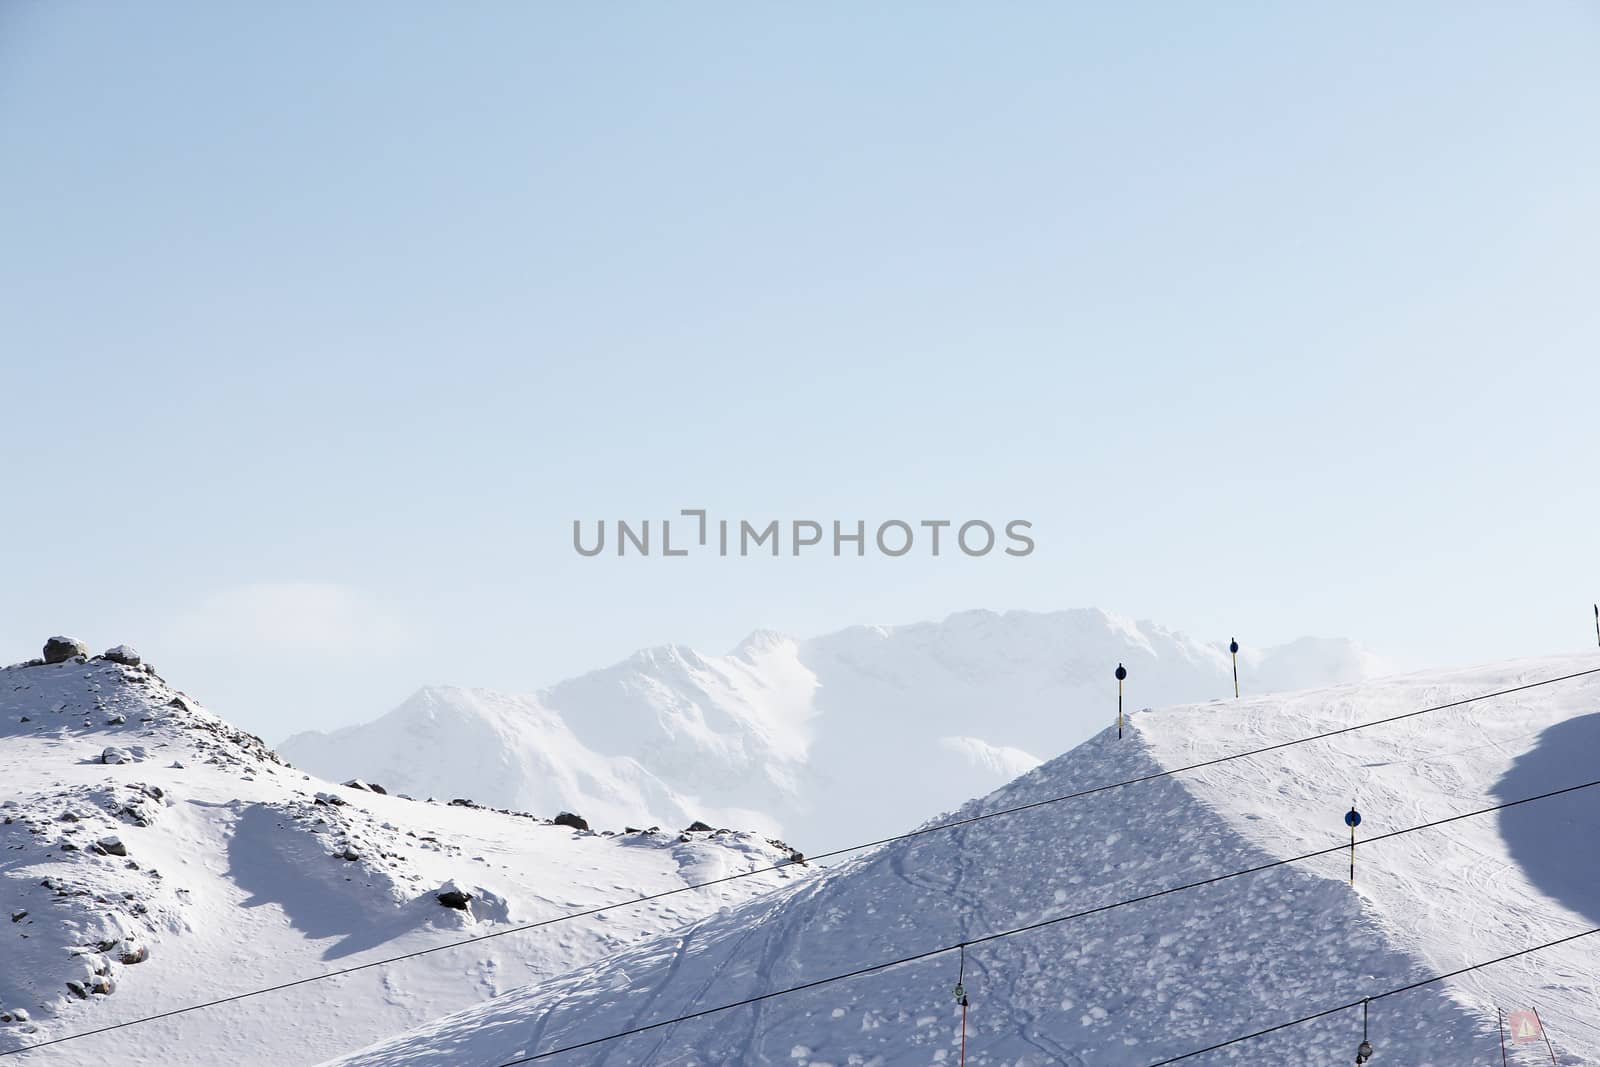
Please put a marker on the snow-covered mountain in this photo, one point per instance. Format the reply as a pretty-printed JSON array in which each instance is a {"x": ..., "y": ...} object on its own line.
[
  {"x": 862, "y": 732},
  {"x": 1137, "y": 984},
  {"x": 153, "y": 857}
]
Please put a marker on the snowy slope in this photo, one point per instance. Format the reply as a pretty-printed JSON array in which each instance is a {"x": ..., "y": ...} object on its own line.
[
  {"x": 502, "y": 748},
  {"x": 233, "y": 871},
  {"x": 1137, "y": 984},
  {"x": 798, "y": 737}
]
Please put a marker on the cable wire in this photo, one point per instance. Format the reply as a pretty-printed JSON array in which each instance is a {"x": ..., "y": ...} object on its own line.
[
  {"x": 919, "y": 832},
  {"x": 1376, "y": 996},
  {"x": 1031, "y": 927}
]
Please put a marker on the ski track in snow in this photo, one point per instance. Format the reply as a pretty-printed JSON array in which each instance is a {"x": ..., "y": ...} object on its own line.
[
  {"x": 1150, "y": 980},
  {"x": 250, "y": 894}
]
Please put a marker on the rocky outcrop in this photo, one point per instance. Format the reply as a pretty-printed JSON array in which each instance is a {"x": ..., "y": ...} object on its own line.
[
  {"x": 567, "y": 818},
  {"x": 453, "y": 896},
  {"x": 61, "y": 649},
  {"x": 124, "y": 655}
]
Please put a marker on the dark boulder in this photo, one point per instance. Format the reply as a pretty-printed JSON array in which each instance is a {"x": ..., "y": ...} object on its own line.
[
  {"x": 452, "y": 896},
  {"x": 122, "y": 654},
  {"x": 567, "y": 818},
  {"x": 61, "y": 649},
  {"x": 697, "y": 827}
]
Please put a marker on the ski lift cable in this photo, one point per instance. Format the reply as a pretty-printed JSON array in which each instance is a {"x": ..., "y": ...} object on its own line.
[
  {"x": 962, "y": 946},
  {"x": 835, "y": 853},
  {"x": 1376, "y": 996}
]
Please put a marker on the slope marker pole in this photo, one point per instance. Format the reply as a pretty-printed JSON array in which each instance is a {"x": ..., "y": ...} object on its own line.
[
  {"x": 1122, "y": 672},
  {"x": 1233, "y": 646},
  {"x": 1544, "y": 1034},
  {"x": 1500, "y": 1028},
  {"x": 1352, "y": 819},
  {"x": 961, "y": 998}
]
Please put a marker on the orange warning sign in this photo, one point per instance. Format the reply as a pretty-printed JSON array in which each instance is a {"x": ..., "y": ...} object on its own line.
[{"x": 1524, "y": 1025}]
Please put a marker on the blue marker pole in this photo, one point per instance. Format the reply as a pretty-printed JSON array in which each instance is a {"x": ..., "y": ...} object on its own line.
[
  {"x": 1352, "y": 819},
  {"x": 1233, "y": 646}
]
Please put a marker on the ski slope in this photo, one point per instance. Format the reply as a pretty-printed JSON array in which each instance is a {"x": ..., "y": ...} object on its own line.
[
  {"x": 234, "y": 871},
  {"x": 1138, "y": 984},
  {"x": 798, "y": 738}
]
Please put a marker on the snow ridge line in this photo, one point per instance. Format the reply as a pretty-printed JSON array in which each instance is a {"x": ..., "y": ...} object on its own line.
[
  {"x": 920, "y": 831},
  {"x": 1030, "y": 927}
]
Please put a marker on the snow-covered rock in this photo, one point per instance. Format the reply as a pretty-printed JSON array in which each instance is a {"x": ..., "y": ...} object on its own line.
[
  {"x": 452, "y": 895},
  {"x": 61, "y": 649}
]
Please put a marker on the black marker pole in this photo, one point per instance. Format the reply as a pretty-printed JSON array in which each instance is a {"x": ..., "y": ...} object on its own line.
[
  {"x": 1352, "y": 819},
  {"x": 1122, "y": 673},
  {"x": 1233, "y": 646}
]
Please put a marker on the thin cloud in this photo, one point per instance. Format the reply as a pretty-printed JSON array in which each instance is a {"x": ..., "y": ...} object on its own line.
[{"x": 301, "y": 618}]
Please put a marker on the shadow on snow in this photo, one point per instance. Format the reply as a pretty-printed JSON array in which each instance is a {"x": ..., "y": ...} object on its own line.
[
  {"x": 1552, "y": 840},
  {"x": 279, "y": 863}
]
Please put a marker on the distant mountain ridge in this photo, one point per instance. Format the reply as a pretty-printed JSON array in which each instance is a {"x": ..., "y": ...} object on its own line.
[{"x": 864, "y": 731}]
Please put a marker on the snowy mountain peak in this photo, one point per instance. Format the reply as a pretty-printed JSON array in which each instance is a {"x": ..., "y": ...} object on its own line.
[
  {"x": 790, "y": 736},
  {"x": 762, "y": 642}
]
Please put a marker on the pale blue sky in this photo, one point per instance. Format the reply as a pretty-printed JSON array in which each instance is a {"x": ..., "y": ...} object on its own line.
[{"x": 322, "y": 322}]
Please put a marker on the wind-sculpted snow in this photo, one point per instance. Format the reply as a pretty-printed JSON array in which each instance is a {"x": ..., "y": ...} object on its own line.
[
  {"x": 856, "y": 734},
  {"x": 1135, "y": 984},
  {"x": 153, "y": 857}
]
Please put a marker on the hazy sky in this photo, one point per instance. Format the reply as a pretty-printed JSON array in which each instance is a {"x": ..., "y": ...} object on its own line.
[{"x": 321, "y": 323}]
